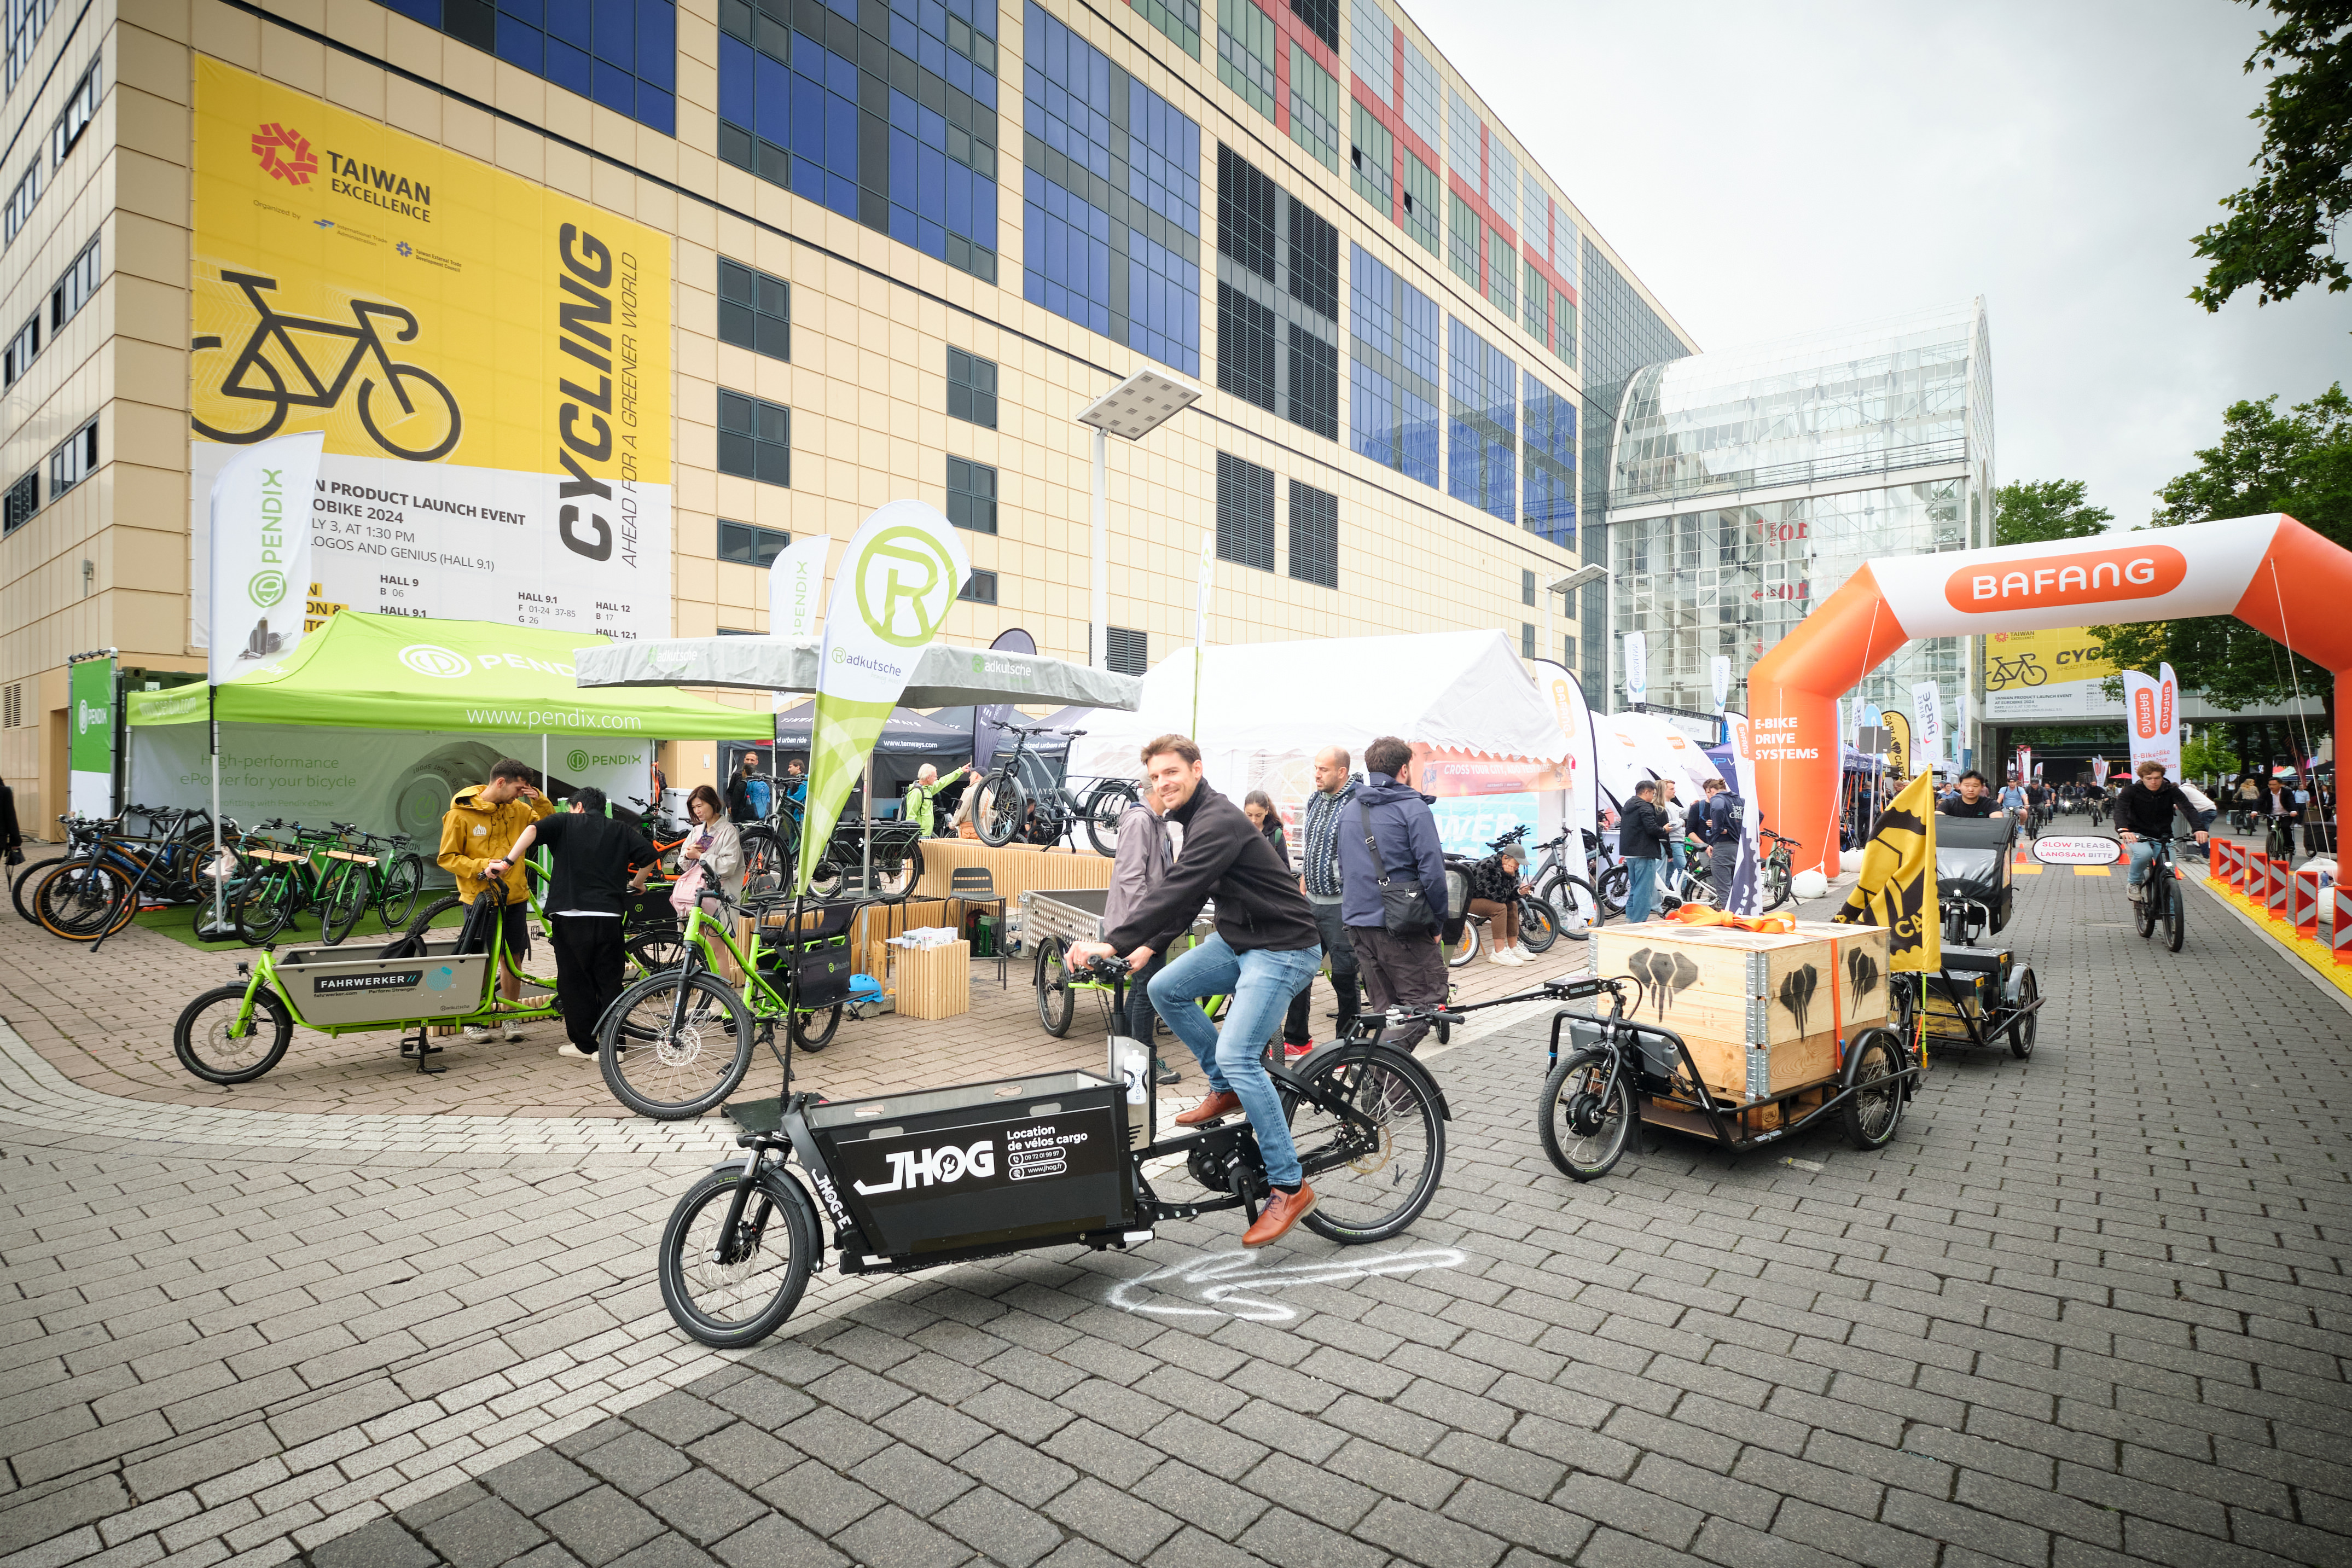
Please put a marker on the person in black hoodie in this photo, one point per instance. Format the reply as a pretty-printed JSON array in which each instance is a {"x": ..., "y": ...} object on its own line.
[
  {"x": 1266, "y": 948},
  {"x": 1643, "y": 834},
  {"x": 599, "y": 863},
  {"x": 2144, "y": 810}
]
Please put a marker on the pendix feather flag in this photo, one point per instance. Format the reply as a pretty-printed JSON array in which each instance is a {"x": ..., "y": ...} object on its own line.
[{"x": 1896, "y": 887}]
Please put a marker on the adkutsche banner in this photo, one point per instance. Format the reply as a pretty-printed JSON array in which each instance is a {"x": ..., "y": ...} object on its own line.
[
  {"x": 898, "y": 578},
  {"x": 487, "y": 360}
]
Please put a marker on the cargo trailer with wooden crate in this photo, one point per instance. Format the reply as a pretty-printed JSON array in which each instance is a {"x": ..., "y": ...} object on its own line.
[{"x": 1743, "y": 1036}]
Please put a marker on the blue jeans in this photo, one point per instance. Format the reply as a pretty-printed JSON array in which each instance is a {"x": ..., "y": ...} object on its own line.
[
  {"x": 1642, "y": 891},
  {"x": 2142, "y": 852},
  {"x": 1261, "y": 983}
]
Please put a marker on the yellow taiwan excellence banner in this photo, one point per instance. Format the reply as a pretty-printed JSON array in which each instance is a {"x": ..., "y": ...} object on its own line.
[
  {"x": 2047, "y": 675},
  {"x": 489, "y": 361}
]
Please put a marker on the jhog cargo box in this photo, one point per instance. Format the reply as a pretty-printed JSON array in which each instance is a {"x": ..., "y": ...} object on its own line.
[
  {"x": 982, "y": 1166},
  {"x": 1762, "y": 1012},
  {"x": 337, "y": 988}
]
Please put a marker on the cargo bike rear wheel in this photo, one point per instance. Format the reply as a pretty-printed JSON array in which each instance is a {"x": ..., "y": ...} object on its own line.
[
  {"x": 731, "y": 1275},
  {"x": 1371, "y": 1182}
]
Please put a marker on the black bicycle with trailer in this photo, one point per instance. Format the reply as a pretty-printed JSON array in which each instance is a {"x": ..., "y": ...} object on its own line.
[
  {"x": 1619, "y": 1072},
  {"x": 916, "y": 1181}
]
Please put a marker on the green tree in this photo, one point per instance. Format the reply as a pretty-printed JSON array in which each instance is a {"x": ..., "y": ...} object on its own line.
[
  {"x": 2299, "y": 463},
  {"x": 2037, "y": 509},
  {"x": 2281, "y": 231}
]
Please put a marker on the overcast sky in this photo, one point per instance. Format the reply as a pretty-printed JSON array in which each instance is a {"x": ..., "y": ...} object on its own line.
[{"x": 1771, "y": 169}]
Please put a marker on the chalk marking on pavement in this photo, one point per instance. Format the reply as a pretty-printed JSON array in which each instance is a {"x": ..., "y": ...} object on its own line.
[{"x": 1233, "y": 1285}]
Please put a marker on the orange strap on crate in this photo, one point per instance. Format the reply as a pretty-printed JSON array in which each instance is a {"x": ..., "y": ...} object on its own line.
[{"x": 1701, "y": 915}]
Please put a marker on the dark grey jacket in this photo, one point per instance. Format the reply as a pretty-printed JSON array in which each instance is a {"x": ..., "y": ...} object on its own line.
[{"x": 1406, "y": 831}]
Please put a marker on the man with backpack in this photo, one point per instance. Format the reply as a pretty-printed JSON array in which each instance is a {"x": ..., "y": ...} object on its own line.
[{"x": 1716, "y": 821}]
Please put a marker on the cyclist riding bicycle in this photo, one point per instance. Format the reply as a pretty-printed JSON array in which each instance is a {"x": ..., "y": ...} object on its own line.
[
  {"x": 2144, "y": 810},
  {"x": 2013, "y": 797},
  {"x": 1267, "y": 946}
]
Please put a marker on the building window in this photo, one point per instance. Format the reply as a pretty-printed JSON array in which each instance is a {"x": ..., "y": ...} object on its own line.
[
  {"x": 1112, "y": 208},
  {"x": 1322, "y": 20},
  {"x": 24, "y": 500},
  {"x": 1547, "y": 501},
  {"x": 622, "y": 54},
  {"x": 1481, "y": 402},
  {"x": 1420, "y": 216},
  {"x": 25, "y": 20},
  {"x": 81, "y": 107},
  {"x": 1245, "y": 204},
  {"x": 1462, "y": 240},
  {"x": 755, "y": 438},
  {"x": 1314, "y": 535},
  {"x": 1526, "y": 587},
  {"x": 1527, "y": 639},
  {"x": 1180, "y": 19},
  {"x": 1314, "y": 261},
  {"x": 884, "y": 113},
  {"x": 1314, "y": 108},
  {"x": 971, "y": 495},
  {"x": 971, "y": 388},
  {"x": 1371, "y": 160},
  {"x": 751, "y": 546},
  {"x": 1314, "y": 383},
  {"x": 73, "y": 290},
  {"x": 1126, "y": 651},
  {"x": 20, "y": 203},
  {"x": 1245, "y": 512},
  {"x": 1246, "y": 347},
  {"x": 980, "y": 588},
  {"x": 1245, "y": 52},
  {"x": 755, "y": 310},
  {"x": 1392, "y": 370},
  {"x": 12, "y": 706},
  {"x": 74, "y": 460},
  {"x": 1502, "y": 275},
  {"x": 21, "y": 349}
]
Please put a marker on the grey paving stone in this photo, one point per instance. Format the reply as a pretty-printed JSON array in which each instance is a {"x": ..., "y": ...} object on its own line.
[
  {"x": 600, "y": 1525},
  {"x": 993, "y": 1524},
  {"x": 666, "y": 1550},
  {"x": 537, "y": 1482},
  {"x": 818, "y": 1498},
  {"x": 635, "y": 1461},
  {"x": 912, "y": 1480},
  {"x": 1114, "y": 1519},
  {"x": 776, "y": 1543},
  {"x": 894, "y": 1536},
  {"x": 382, "y": 1543},
  {"x": 488, "y": 1532},
  {"x": 678, "y": 1418},
  {"x": 1203, "y": 1501},
  {"x": 702, "y": 1506}
]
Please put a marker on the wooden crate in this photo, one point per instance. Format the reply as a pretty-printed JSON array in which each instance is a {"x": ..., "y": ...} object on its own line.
[
  {"x": 934, "y": 982},
  {"x": 1731, "y": 993},
  {"x": 1015, "y": 868}
]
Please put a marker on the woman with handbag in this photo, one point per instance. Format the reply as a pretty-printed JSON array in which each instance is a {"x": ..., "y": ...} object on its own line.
[{"x": 710, "y": 860}]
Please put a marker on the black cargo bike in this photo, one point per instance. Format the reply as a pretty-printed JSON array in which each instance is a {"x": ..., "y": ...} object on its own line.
[{"x": 938, "y": 1176}]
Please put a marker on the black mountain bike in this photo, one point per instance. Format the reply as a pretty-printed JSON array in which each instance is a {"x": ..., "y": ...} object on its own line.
[
  {"x": 1005, "y": 809},
  {"x": 2160, "y": 900}
]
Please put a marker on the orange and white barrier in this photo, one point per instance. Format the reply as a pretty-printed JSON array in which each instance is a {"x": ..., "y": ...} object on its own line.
[
  {"x": 2341, "y": 943},
  {"x": 2270, "y": 572},
  {"x": 2303, "y": 904}
]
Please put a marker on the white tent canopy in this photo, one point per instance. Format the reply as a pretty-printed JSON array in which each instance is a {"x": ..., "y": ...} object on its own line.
[
  {"x": 1635, "y": 746},
  {"x": 945, "y": 676},
  {"x": 1266, "y": 707}
]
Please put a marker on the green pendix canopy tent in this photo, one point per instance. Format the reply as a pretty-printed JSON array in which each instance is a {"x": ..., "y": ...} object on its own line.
[{"x": 391, "y": 672}]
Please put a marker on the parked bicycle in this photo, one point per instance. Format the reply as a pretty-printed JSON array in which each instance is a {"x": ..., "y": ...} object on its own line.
[
  {"x": 316, "y": 872},
  {"x": 108, "y": 874},
  {"x": 678, "y": 1041},
  {"x": 1576, "y": 905},
  {"x": 1005, "y": 809},
  {"x": 1538, "y": 924},
  {"x": 427, "y": 423},
  {"x": 1778, "y": 879},
  {"x": 896, "y": 850}
]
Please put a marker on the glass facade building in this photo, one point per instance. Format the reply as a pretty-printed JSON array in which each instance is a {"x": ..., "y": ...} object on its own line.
[{"x": 1747, "y": 485}]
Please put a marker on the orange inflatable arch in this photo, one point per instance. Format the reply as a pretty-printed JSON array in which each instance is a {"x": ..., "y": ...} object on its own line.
[{"x": 2270, "y": 572}]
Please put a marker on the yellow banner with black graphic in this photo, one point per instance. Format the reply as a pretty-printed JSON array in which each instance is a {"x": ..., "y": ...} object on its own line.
[
  {"x": 488, "y": 358},
  {"x": 1896, "y": 887}
]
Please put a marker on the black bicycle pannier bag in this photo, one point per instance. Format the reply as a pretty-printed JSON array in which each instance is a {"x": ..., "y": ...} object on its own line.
[
  {"x": 821, "y": 977},
  {"x": 1404, "y": 906}
]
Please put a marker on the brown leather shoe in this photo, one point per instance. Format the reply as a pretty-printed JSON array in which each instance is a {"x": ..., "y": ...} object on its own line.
[
  {"x": 1282, "y": 1211},
  {"x": 1223, "y": 1102}
]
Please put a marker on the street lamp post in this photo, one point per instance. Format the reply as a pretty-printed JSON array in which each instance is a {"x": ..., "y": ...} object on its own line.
[
  {"x": 1590, "y": 573},
  {"x": 1134, "y": 408}
]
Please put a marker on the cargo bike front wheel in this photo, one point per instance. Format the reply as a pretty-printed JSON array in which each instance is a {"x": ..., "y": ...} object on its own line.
[
  {"x": 732, "y": 1271},
  {"x": 1587, "y": 1114},
  {"x": 674, "y": 1044},
  {"x": 212, "y": 1044}
]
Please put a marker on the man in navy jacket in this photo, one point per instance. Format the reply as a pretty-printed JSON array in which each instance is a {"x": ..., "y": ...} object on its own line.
[{"x": 1397, "y": 971}]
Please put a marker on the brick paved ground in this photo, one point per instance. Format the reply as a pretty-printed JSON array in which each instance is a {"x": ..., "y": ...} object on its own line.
[
  {"x": 106, "y": 1025},
  {"x": 2086, "y": 1309}
]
